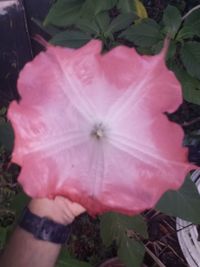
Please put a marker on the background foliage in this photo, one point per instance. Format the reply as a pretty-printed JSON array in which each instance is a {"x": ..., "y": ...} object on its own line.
[{"x": 72, "y": 23}]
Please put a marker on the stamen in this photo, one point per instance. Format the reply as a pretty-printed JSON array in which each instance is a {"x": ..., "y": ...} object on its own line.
[{"x": 98, "y": 131}]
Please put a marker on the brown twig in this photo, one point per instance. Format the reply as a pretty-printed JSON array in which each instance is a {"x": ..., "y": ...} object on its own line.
[{"x": 154, "y": 257}]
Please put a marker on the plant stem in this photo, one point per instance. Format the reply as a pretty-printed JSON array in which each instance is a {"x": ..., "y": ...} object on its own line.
[{"x": 190, "y": 12}]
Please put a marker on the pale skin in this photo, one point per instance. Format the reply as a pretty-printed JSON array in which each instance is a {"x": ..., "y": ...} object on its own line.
[{"x": 23, "y": 250}]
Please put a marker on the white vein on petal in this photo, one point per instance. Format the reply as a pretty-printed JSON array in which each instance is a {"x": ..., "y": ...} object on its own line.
[
  {"x": 118, "y": 144},
  {"x": 127, "y": 145},
  {"x": 78, "y": 100},
  {"x": 122, "y": 104},
  {"x": 97, "y": 165},
  {"x": 87, "y": 110},
  {"x": 64, "y": 143}
]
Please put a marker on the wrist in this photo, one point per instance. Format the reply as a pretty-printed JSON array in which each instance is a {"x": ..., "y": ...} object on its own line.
[
  {"x": 47, "y": 208},
  {"x": 49, "y": 219},
  {"x": 43, "y": 228}
]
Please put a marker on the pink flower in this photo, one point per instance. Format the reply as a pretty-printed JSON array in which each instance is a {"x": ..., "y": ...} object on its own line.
[{"x": 92, "y": 128}]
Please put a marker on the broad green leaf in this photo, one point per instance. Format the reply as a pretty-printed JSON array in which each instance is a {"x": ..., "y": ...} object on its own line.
[
  {"x": 184, "y": 203},
  {"x": 104, "y": 5},
  {"x": 140, "y": 9},
  {"x": 192, "y": 24},
  {"x": 186, "y": 33},
  {"x": 72, "y": 39},
  {"x": 95, "y": 25},
  {"x": 114, "y": 225},
  {"x": 19, "y": 202},
  {"x": 144, "y": 34},
  {"x": 151, "y": 50},
  {"x": 6, "y": 136},
  {"x": 136, "y": 6},
  {"x": 91, "y": 8},
  {"x": 131, "y": 252},
  {"x": 172, "y": 20},
  {"x": 66, "y": 261},
  {"x": 72, "y": 262},
  {"x": 190, "y": 56},
  {"x": 64, "y": 13},
  {"x": 88, "y": 26},
  {"x": 102, "y": 20},
  {"x": 88, "y": 10},
  {"x": 3, "y": 237},
  {"x": 126, "y": 6},
  {"x": 157, "y": 47},
  {"x": 120, "y": 22},
  {"x": 172, "y": 50},
  {"x": 190, "y": 86}
]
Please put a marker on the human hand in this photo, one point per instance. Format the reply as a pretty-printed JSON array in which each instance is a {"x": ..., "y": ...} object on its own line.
[{"x": 60, "y": 209}]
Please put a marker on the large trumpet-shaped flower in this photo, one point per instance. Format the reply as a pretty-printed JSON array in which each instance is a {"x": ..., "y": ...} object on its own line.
[{"x": 93, "y": 128}]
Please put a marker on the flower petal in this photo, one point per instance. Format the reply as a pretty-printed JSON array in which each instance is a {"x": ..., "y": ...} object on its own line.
[{"x": 92, "y": 128}]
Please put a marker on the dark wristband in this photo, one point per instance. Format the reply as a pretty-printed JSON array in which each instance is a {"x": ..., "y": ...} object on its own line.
[{"x": 43, "y": 228}]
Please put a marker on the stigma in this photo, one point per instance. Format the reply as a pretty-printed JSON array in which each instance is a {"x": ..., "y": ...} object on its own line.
[{"x": 98, "y": 131}]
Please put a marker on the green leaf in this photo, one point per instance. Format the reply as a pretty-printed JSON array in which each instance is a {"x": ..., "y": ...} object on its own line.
[
  {"x": 6, "y": 136},
  {"x": 184, "y": 203},
  {"x": 190, "y": 86},
  {"x": 136, "y": 6},
  {"x": 88, "y": 10},
  {"x": 172, "y": 20},
  {"x": 126, "y": 6},
  {"x": 72, "y": 262},
  {"x": 114, "y": 225},
  {"x": 66, "y": 261},
  {"x": 144, "y": 34},
  {"x": 88, "y": 26},
  {"x": 171, "y": 53},
  {"x": 140, "y": 9},
  {"x": 121, "y": 22},
  {"x": 185, "y": 33},
  {"x": 64, "y": 13},
  {"x": 91, "y": 8},
  {"x": 72, "y": 39},
  {"x": 19, "y": 202},
  {"x": 104, "y": 5},
  {"x": 102, "y": 20},
  {"x": 131, "y": 252},
  {"x": 191, "y": 26},
  {"x": 190, "y": 56},
  {"x": 157, "y": 47}
]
